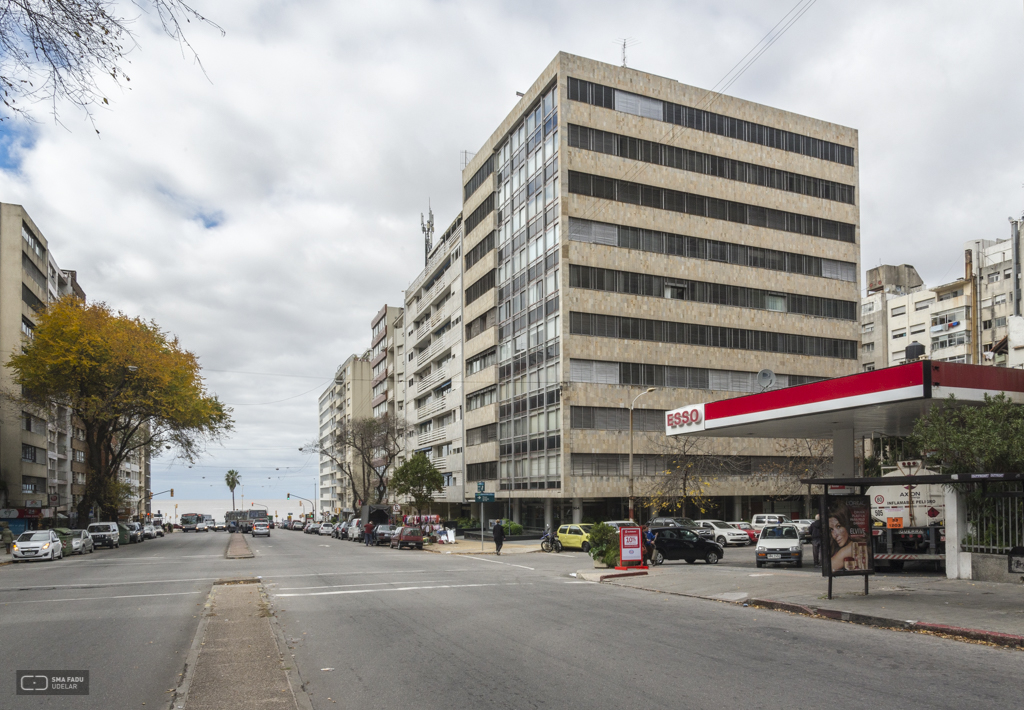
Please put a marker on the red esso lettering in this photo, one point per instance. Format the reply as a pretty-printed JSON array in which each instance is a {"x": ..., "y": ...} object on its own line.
[{"x": 695, "y": 416}]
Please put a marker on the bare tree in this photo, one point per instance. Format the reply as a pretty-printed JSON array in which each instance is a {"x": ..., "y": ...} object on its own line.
[
  {"x": 795, "y": 459},
  {"x": 365, "y": 451},
  {"x": 691, "y": 464},
  {"x": 54, "y": 50}
]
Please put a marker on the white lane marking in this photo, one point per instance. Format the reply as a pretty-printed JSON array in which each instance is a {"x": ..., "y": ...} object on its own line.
[
  {"x": 89, "y": 599},
  {"x": 508, "y": 564},
  {"x": 393, "y": 589},
  {"x": 367, "y": 584}
]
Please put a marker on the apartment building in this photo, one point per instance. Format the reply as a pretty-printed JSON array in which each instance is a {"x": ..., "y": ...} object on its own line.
[
  {"x": 434, "y": 362},
  {"x": 996, "y": 278},
  {"x": 347, "y": 399},
  {"x": 386, "y": 346},
  {"x": 37, "y": 459},
  {"x": 622, "y": 232}
]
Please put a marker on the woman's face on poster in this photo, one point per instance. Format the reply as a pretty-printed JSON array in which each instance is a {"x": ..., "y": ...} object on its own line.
[{"x": 840, "y": 534}]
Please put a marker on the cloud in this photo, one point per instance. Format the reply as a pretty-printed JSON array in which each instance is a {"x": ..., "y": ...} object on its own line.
[{"x": 264, "y": 210}]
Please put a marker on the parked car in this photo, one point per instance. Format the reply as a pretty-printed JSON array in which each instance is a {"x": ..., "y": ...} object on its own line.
[
  {"x": 680, "y": 543},
  {"x": 747, "y": 528},
  {"x": 149, "y": 531},
  {"x": 663, "y": 522},
  {"x": 777, "y": 544},
  {"x": 104, "y": 534},
  {"x": 621, "y": 523},
  {"x": 762, "y": 519},
  {"x": 575, "y": 536},
  {"x": 260, "y": 527},
  {"x": 159, "y": 530},
  {"x": 355, "y": 530},
  {"x": 326, "y": 529},
  {"x": 298, "y": 524},
  {"x": 313, "y": 529},
  {"x": 339, "y": 530},
  {"x": 407, "y": 537},
  {"x": 804, "y": 526},
  {"x": 383, "y": 533},
  {"x": 724, "y": 533},
  {"x": 38, "y": 545},
  {"x": 81, "y": 542},
  {"x": 271, "y": 523},
  {"x": 135, "y": 533}
]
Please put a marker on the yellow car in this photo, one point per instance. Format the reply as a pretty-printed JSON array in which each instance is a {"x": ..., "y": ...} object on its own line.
[{"x": 575, "y": 536}]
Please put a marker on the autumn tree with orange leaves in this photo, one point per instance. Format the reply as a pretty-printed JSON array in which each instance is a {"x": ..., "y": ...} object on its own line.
[{"x": 132, "y": 385}]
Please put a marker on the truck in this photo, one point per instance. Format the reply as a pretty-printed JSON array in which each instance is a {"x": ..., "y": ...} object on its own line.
[{"x": 908, "y": 521}]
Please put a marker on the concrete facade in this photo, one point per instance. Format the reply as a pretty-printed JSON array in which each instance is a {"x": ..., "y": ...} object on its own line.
[
  {"x": 539, "y": 190},
  {"x": 346, "y": 400},
  {"x": 433, "y": 383}
]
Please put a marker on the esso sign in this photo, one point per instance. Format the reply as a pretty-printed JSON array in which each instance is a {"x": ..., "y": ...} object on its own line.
[{"x": 685, "y": 420}]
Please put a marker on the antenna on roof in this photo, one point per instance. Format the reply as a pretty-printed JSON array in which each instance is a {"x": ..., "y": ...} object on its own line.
[
  {"x": 428, "y": 232},
  {"x": 626, "y": 43}
]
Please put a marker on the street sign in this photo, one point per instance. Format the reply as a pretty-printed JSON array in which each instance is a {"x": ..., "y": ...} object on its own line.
[
  {"x": 484, "y": 497},
  {"x": 480, "y": 486},
  {"x": 396, "y": 509},
  {"x": 54, "y": 498}
]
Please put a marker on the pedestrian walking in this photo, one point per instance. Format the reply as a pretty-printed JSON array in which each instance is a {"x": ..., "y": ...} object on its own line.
[
  {"x": 816, "y": 540},
  {"x": 7, "y": 536},
  {"x": 499, "y": 536}
]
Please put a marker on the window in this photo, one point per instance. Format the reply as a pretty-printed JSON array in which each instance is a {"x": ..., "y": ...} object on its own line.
[
  {"x": 998, "y": 300},
  {"x": 950, "y": 340},
  {"x": 710, "y": 207},
  {"x": 78, "y": 456},
  {"x": 27, "y": 327},
  {"x": 921, "y": 305},
  {"x": 993, "y": 277},
  {"x": 950, "y": 319},
  {"x": 898, "y": 355},
  {"x": 631, "y": 373},
  {"x": 951, "y": 294},
  {"x": 899, "y": 333},
  {"x": 479, "y": 177},
  {"x": 487, "y": 471},
  {"x": 869, "y": 367},
  {"x": 34, "y": 245},
  {"x": 899, "y": 311},
  {"x": 482, "y": 434},
  {"x": 480, "y": 213},
  {"x": 1008, "y": 274},
  {"x": 484, "y": 284},
  {"x": 33, "y": 271},
  {"x": 1000, "y": 322},
  {"x": 918, "y": 328},
  {"x": 484, "y": 247},
  {"x": 481, "y": 361},
  {"x": 867, "y": 347},
  {"x": 867, "y": 328},
  {"x": 481, "y": 398},
  {"x": 868, "y": 307},
  {"x": 727, "y": 168},
  {"x": 29, "y": 453},
  {"x": 616, "y": 419},
  {"x": 986, "y": 324}
]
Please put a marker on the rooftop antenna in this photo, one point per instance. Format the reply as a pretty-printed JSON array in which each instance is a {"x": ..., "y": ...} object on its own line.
[
  {"x": 428, "y": 232},
  {"x": 626, "y": 43}
]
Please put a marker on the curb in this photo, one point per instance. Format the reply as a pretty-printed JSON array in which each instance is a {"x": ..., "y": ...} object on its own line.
[
  {"x": 238, "y": 555},
  {"x": 180, "y": 695},
  {"x": 602, "y": 576},
  {"x": 291, "y": 669},
  {"x": 957, "y": 633}
]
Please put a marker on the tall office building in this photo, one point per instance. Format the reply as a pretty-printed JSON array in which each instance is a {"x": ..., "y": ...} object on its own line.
[
  {"x": 346, "y": 400},
  {"x": 624, "y": 231},
  {"x": 41, "y": 462},
  {"x": 434, "y": 364}
]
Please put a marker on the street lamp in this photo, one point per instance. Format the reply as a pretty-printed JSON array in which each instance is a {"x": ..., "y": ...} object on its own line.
[{"x": 648, "y": 391}]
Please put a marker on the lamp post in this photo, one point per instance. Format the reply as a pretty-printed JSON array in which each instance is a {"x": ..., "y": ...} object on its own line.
[{"x": 631, "y": 404}]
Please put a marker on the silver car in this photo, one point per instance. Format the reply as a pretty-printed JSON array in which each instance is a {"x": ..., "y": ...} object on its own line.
[
  {"x": 81, "y": 542},
  {"x": 38, "y": 545},
  {"x": 149, "y": 532}
]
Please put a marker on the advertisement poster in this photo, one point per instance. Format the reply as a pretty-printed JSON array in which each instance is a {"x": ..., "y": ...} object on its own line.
[
  {"x": 630, "y": 548},
  {"x": 848, "y": 537}
]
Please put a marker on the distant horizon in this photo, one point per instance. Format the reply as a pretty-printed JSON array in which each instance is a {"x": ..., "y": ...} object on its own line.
[{"x": 280, "y": 508}]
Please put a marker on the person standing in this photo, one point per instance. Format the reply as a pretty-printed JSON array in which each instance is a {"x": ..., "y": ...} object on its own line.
[
  {"x": 649, "y": 539},
  {"x": 816, "y": 539},
  {"x": 499, "y": 536},
  {"x": 368, "y": 534},
  {"x": 7, "y": 536}
]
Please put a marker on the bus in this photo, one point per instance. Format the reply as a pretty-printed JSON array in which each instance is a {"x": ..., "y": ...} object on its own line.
[
  {"x": 242, "y": 520},
  {"x": 189, "y": 520}
]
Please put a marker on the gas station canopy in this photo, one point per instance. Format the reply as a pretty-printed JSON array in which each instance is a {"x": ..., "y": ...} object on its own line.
[{"x": 881, "y": 402}]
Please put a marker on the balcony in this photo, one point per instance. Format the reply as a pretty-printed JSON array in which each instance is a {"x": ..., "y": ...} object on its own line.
[
  {"x": 433, "y": 407},
  {"x": 439, "y": 344},
  {"x": 432, "y": 437},
  {"x": 433, "y": 379}
]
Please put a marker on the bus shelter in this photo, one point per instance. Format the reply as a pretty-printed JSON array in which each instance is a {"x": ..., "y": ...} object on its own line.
[{"x": 883, "y": 402}]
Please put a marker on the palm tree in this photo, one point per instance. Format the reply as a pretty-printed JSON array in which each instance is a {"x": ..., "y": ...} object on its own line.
[{"x": 231, "y": 479}]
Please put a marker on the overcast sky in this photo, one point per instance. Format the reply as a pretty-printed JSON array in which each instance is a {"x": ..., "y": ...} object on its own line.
[{"x": 265, "y": 210}]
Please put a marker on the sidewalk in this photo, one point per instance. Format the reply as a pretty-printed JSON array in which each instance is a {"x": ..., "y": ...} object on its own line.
[
  {"x": 472, "y": 547},
  {"x": 986, "y": 611},
  {"x": 238, "y": 547}
]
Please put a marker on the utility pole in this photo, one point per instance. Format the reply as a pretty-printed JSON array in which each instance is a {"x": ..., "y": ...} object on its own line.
[{"x": 648, "y": 391}]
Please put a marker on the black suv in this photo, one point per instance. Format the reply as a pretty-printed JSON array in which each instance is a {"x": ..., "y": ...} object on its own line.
[
  {"x": 683, "y": 523},
  {"x": 679, "y": 543}
]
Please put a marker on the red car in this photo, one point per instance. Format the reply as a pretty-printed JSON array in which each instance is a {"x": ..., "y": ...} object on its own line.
[
  {"x": 408, "y": 537},
  {"x": 748, "y": 529}
]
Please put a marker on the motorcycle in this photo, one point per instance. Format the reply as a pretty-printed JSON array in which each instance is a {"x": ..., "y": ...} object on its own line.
[{"x": 550, "y": 542}]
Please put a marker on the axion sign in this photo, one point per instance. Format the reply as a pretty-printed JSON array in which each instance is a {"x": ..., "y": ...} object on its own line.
[{"x": 684, "y": 420}]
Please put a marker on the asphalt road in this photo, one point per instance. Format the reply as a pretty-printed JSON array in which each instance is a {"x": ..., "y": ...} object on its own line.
[{"x": 410, "y": 628}]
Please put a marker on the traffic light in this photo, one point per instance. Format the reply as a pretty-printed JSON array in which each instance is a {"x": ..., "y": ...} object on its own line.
[
  {"x": 288, "y": 497},
  {"x": 172, "y": 493}
]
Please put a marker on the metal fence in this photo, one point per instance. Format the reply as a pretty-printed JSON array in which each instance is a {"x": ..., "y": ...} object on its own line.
[{"x": 995, "y": 519}]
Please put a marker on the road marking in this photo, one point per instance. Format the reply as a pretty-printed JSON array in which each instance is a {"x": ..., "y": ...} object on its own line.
[
  {"x": 89, "y": 599},
  {"x": 368, "y": 584},
  {"x": 394, "y": 589},
  {"x": 509, "y": 564}
]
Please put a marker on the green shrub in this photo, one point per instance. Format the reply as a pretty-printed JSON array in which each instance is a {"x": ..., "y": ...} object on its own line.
[
  {"x": 611, "y": 556},
  {"x": 603, "y": 538},
  {"x": 468, "y": 523},
  {"x": 512, "y": 528}
]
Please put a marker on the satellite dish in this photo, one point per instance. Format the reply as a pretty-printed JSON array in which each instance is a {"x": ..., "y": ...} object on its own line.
[{"x": 765, "y": 379}]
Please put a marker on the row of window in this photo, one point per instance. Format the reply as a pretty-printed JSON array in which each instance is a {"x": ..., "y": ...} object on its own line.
[
  {"x": 33, "y": 243},
  {"x": 482, "y": 398},
  {"x": 635, "y": 193},
  {"x": 486, "y": 471},
  {"x": 482, "y": 434},
  {"x": 483, "y": 247},
  {"x": 698, "y": 378},
  {"x": 481, "y": 286},
  {"x": 707, "y": 164},
  {"x": 480, "y": 213},
  {"x": 481, "y": 361},
  {"x": 713, "y": 336},
  {"x": 478, "y": 178},
  {"x": 598, "y": 279},
  {"x": 33, "y": 271},
  {"x": 653, "y": 464},
  {"x": 616, "y": 419},
  {"x": 481, "y": 323},
  {"x": 708, "y": 122},
  {"x": 649, "y": 240}
]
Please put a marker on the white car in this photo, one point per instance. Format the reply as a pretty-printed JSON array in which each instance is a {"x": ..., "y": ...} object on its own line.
[
  {"x": 326, "y": 529},
  {"x": 804, "y": 526},
  {"x": 762, "y": 519},
  {"x": 38, "y": 545},
  {"x": 149, "y": 532},
  {"x": 201, "y": 526},
  {"x": 777, "y": 544},
  {"x": 261, "y": 528},
  {"x": 724, "y": 533}
]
